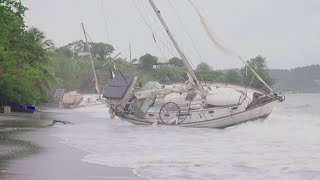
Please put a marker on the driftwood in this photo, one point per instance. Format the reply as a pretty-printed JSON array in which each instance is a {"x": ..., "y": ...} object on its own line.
[{"x": 58, "y": 121}]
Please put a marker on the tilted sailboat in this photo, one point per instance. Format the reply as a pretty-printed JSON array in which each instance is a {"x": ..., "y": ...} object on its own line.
[
  {"x": 73, "y": 99},
  {"x": 189, "y": 104}
]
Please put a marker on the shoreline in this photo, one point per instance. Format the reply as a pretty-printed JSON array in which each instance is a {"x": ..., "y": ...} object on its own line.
[{"x": 54, "y": 160}]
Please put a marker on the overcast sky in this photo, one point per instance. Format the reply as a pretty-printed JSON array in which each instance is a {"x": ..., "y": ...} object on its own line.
[{"x": 286, "y": 32}]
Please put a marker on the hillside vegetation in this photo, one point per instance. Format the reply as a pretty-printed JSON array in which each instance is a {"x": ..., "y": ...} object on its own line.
[
  {"x": 74, "y": 72},
  {"x": 302, "y": 79}
]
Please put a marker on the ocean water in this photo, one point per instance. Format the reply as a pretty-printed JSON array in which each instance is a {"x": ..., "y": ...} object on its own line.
[{"x": 284, "y": 146}]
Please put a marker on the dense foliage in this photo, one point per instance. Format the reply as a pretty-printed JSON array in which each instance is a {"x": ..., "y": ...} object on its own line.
[
  {"x": 26, "y": 73},
  {"x": 259, "y": 64},
  {"x": 102, "y": 50},
  {"x": 76, "y": 73},
  {"x": 147, "y": 61}
]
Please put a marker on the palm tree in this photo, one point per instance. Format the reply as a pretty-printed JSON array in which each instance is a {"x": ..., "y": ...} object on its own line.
[
  {"x": 43, "y": 62},
  {"x": 38, "y": 37}
]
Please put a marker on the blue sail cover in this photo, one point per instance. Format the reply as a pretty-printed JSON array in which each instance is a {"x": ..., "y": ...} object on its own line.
[{"x": 118, "y": 86}]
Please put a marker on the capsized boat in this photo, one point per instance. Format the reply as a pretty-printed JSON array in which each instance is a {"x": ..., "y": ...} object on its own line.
[
  {"x": 189, "y": 104},
  {"x": 71, "y": 99}
]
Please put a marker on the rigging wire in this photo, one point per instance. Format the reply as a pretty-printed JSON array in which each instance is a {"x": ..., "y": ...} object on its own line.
[
  {"x": 186, "y": 32},
  {"x": 141, "y": 15},
  {"x": 164, "y": 35},
  {"x": 189, "y": 36},
  {"x": 166, "y": 42},
  {"x": 149, "y": 19},
  {"x": 146, "y": 23},
  {"x": 112, "y": 59},
  {"x": 226, "y": 50},
  {"x": 105, "y": 21},
  {"x": 151, "y": 30},
  {"x": 164, "y": 39}
]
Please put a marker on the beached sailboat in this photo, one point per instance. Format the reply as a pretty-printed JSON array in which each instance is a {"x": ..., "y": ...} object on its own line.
[
  {"x": 189, "y": 104},
  {"x": 74, "y": 99}
]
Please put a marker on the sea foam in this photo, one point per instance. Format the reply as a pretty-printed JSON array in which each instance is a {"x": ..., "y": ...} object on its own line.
[{"x": 285, "y": 146}]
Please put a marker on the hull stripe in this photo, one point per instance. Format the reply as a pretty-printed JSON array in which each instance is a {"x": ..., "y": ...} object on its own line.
[{"x": 148, "y": 122}]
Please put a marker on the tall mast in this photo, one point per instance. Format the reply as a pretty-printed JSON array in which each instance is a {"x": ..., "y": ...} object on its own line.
[
  {"x": 130, "y": 52},
  {"x": 183, "y": 57},
  {"x": 91, "y": 59}
]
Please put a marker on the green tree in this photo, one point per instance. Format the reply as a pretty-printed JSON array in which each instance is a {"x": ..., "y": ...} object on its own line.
[
  {"x": 26, "y": 74},
  {"x": 39, "y": 38},
  {"x": 63, "y": 52},
  {"x": 46, "y": 78},
  {"x": 169, "y": 74},
  {"x": 134, "y": 60},
  {"x": 12, "y": 24},
  {"x": 209, "y": 75},
  {"x": 203, "y": 67},
  {"x": 232, "y": 76},
  {"x": 101, "y": 50},
  {"x": 147, "y": 61},
  {"x": 204, "y": 72},
  {"x": 259, "y": 64},
  {"x": 176, "y": 62}
]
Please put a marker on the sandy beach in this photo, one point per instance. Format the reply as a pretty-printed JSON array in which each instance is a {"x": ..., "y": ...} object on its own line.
[{"x": 28, "y": 151}]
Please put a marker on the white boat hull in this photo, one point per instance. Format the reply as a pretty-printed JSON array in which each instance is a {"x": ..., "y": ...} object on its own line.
[
  {"x": 204, "y": 120},
  {"x": 237, "y": 105}
]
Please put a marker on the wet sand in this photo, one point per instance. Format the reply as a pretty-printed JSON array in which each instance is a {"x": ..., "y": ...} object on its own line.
[{"x": 28, "y": 151}]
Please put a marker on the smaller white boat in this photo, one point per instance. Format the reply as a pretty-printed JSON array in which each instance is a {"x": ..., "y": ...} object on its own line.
[
  {"x": 71, "y": 100},
  {"x": 91, "y": 99}
]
